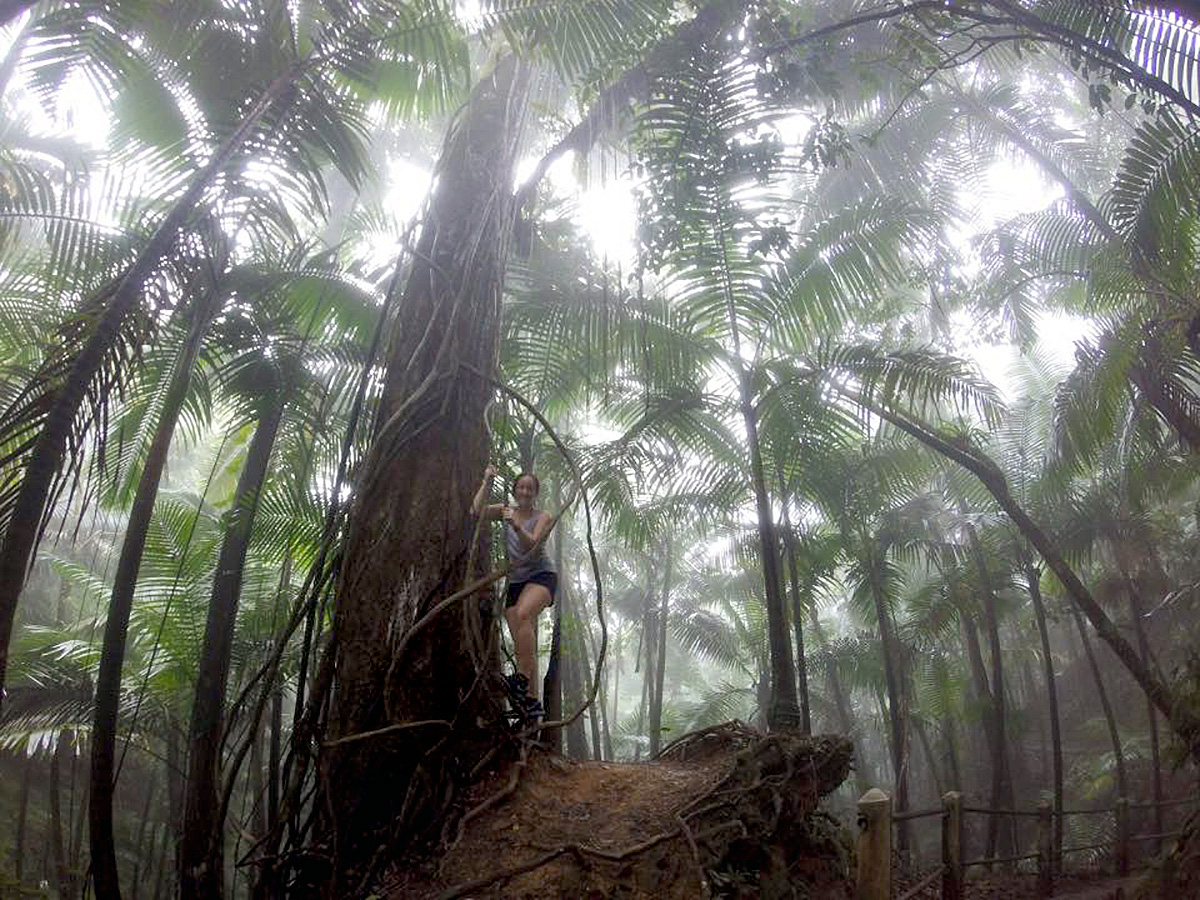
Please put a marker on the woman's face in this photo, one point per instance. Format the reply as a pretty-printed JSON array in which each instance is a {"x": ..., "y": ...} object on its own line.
[{"x": 525, "y": 491}]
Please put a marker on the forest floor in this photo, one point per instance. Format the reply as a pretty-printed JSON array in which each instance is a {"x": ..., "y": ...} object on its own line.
[
  {"x": 556, "y": 828},
  {"x": 1025, "y": 887}
]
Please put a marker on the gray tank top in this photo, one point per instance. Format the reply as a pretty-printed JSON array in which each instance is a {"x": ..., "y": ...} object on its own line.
[{"x": 526, "y": 562}]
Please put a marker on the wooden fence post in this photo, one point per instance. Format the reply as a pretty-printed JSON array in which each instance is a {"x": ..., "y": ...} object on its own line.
[
  {"x": 952, "y": 846},
  {"x": 1122, "y": 836},
  {"x": 874, "y": 846},
  {"x": 1045, "y": 860}
]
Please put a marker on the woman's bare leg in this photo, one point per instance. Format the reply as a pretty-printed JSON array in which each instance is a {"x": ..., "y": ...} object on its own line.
[{"x": 522, "y": 625}]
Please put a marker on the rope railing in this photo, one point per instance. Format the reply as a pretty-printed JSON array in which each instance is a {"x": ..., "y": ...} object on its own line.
[
  {"x": 999, "y": 860},
  {"x": 988, "y": 811},
  {"x": 876, "y": 821},
  {"x": 917, "y": 814}
]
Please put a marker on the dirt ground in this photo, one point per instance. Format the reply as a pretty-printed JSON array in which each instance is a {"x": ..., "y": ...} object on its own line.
[{"x": 597, "y": 830}]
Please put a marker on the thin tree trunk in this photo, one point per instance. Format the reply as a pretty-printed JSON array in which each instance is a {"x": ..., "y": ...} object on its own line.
[
  {"x": 1033, "y": 579},
  {"x": 552, "y": 683},
  {"x": 1110, "y": 719},
  {"x": 573, "y": 689},
  {"x": 22, "y": 814},
  {"x": 893, "y": 672},
  {"x": 112, "y": 654},
  {"x": 862, "y": 778},
  {"x": 956, "y": 777},
  {"x": 595, "y": 710},
  {"x": 614, "y": 715},
  {"x": 660, "y": 668},
  {"x": 983, "y": 694},
  {"x": 164, "y": 844},
  {"x": 1002, "y": 787},
  {"x": 789, "y": 542},
  {"x": 602, "y": 699},
  {"x": 46, "y": 458},
  {"x": 202, "y": 846},
  {"x": 1139, "y": 629},
  {"x": 1183, "y": 722},
  {"x": 140, "y": 845},
  {"x": 62, "y": 871},
  {"x": 783, "y": 711},
  {"x": 939, "y": 784}
]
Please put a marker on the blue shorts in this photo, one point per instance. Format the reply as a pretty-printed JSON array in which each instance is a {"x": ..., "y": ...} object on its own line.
[{"x": 548, "y": 580}]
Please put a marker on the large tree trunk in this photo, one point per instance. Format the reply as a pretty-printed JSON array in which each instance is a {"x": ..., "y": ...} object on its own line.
[
  {"x": 112, "y": 653},
  {"x": 201, "y": 852},
  {"x": 1033, "y": 579},
  {"x": 407, "y": 543},
  {"x": 24, "y": 527}
]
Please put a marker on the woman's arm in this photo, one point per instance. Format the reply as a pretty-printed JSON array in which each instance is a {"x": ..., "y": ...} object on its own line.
[
  {"x": 540, "y": 527},
  {"x": 493, "y": 511}
]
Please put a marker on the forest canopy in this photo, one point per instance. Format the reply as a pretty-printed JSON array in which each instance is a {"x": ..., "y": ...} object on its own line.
[{"x": 855, "y": 345}]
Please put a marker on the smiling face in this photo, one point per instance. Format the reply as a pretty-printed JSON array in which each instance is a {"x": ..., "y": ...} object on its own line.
[{"x": 525, "y": 491}]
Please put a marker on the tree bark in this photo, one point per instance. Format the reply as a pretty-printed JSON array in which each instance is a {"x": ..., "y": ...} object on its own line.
[
  {"x": 408, "y": 536},
  {"x": 24, "y": 527},
  {"x": 202, "y": 848},
  {"x": 1033, "y": 579},
  {"x": 112, "y": 654}
]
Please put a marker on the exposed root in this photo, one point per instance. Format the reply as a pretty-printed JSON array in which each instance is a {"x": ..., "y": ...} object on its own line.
[{"x": 506, "y": 791}]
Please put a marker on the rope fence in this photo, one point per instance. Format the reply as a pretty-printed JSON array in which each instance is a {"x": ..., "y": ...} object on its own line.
[{"x": 876, "y": 821}]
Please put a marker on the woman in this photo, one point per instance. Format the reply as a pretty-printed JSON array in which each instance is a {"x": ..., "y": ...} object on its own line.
[{"x": 531, "y": 582}]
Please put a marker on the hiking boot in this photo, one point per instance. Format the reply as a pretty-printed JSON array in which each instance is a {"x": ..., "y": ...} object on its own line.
[
  {"x": 532, "y": 711},
  {"x": 517, "y": 686}
]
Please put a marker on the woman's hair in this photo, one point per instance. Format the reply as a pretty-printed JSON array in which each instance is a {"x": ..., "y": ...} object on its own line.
[{"x": 537, "y": 485}]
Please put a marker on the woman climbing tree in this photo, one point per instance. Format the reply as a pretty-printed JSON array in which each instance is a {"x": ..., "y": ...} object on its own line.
[{"x": 532, "y": 580}]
